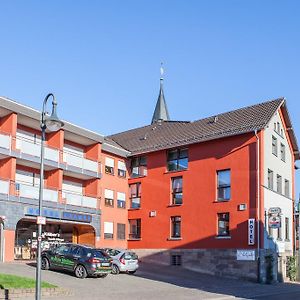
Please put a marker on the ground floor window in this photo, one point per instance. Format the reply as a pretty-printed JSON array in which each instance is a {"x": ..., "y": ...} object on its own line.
[
  {"x": 135, "y": 229},
  {"x": 176, "y": 227},
  {"x": 120, "y": 231},
  {"x": 223, "y": 224}
]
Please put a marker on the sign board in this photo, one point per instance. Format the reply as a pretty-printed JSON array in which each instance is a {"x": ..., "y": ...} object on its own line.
[
  {"x": 274, "y": 220},
  {"x": 76, "y": 217},
  {"x": 49, "y": 213},
  {"x": 40, "y": 220},
  {"x": 245, "y": 254},
  {"x": 251, "y": 231},
  {"x": 274, "y": 210}
]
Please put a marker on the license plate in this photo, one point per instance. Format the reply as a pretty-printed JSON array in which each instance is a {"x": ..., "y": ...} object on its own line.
[{"x": 105, "y": 264}]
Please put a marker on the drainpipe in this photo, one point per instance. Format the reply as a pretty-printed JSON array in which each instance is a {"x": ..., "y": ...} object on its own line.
[{"x": 258, "y": 201}]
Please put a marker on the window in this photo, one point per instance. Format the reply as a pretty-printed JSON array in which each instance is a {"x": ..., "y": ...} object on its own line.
[
  {"x": 121, "y": 200},
  {"x": 274, "y": 145},
  {"x": 108, "y": 230},
  {"x": 278, "y": 127},
  {"x": 270, "y": 179},
  {"x": 286, "y": 188},
  {"x": 279, "y": 237},
  {"x": 139, "y": 166},
  {"x": 135, "y": 195},
  {"x": 121, "y": 169},
  {"x": 224, "y": 189},
  {"x": 177, "y": 159},
  {"x": 109, "y": 165},
  {"x": 175, "y": 260},
  {"x": 223, "y": 224},
  {"x": 109, "y": 197},
  {"x": 135, "y": 229},
  {"x": 120, "y": 231},
  {"x": 287, "y": 229},
  {"x": 282, "y": 151},
  {"x": 176, "y": 190},
  {"x": 175, "y": 227},
  {"x": 279, "y": 184}
]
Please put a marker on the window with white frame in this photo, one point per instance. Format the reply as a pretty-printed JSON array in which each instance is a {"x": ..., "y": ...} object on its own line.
[
  {"x": 286, "y": 188},
  {"x": 121, "y": 200},
  {"x": 109, "y": 197},
  {"x": 282, "y": 152},
  {"x": 109, "y": 165},
  {"x": 274, "y": 145},
  {"x": 279, "y": 184},
  {"x": 108, "y": 230},
  {"x": 121, "y": 169},
  {"x": 270, "y": 179}
]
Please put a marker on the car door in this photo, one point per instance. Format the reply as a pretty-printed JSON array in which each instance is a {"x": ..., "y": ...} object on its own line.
[
  {"x": 72, "y": 257},
  {"x": 58, "y": 255}
]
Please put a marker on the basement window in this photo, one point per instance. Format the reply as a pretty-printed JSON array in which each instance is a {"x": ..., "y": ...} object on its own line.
[{"x": 176, "y": 260}]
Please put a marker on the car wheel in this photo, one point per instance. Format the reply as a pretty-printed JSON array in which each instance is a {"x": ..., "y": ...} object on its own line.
[
  {"x": 80, "y": 272},
  {"x": 131, "y": 272},
  {"x": 45, "y": 263},
  {"x": 102, "y": 275},
  {"x": 115, "y": 270}
]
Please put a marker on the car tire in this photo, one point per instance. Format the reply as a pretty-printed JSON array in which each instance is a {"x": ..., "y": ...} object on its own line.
[
  {"x": 102, "y": 275},
  {"x": 80, "y": 272},
  {"x": 45, "y": 265},
  {"x": 131, "y": 272},
  {"x": 115, "y": 270}
]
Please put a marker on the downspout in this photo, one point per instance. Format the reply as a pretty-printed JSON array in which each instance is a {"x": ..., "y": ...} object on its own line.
[{"x": 258, "y": 199}]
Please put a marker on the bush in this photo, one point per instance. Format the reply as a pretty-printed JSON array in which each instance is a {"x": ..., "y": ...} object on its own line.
[{"x": 291, "y": 268}]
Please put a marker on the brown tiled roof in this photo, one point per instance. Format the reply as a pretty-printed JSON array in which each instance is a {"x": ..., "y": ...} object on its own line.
[{"x": 169, "y": 134}]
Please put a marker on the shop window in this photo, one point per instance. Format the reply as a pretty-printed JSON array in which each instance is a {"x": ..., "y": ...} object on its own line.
[
  {"x": 175, "y": 227},
  {"x": 121, "y": 169},
  {"x": 135, "y": 195},
  {"x": 177, "y": 159},
  {"x": 135, "y": 229},
  {"x": 176, "y": 190},
  {"x": 109, "y": 165},
  {"x": 108, "y": 230},
  {"x": 224, "y": 185},
  {"x": 138, "y": 166},
  {"x": 109, "y": 197},
  {"x": 120, "y": 231},
  {"x": 121, "y": 200},
  {"x": 223, "y": 224}
]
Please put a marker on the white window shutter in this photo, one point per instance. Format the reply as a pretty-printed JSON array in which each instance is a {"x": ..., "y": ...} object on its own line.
[
  {"x": 109, "y": 194},
  {"x": 108, "y": 227},
  {"x": 109, "y": 162}
]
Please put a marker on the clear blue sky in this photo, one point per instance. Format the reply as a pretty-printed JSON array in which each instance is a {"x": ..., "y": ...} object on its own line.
[{"x": 102, "y": 58}]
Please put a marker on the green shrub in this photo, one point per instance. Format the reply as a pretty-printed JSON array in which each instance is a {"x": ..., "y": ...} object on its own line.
[{"x": 291, "y": 268}]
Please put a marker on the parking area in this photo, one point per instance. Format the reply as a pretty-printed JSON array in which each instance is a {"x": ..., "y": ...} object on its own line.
[{"x": 157, "y": 282}]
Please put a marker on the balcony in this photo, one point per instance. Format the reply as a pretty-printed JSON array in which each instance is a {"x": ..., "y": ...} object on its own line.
[
  {"x": 4, "y": 186},
  {"x": 79, "y": 200},
  {"x": 73, "y": 160},
  {"x": 32, "y": 192},
  {"x": 27, "y": 146},
  {"x": 5, "y": 141}
]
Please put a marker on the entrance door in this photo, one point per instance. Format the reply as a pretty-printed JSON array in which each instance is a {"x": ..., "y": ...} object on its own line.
[{"x": 1, "y": 241}]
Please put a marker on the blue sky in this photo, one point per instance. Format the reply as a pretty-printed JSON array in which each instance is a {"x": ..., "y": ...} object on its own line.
[{"x": 102, "y": 58}]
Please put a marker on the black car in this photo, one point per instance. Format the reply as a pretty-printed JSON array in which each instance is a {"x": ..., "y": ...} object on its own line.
[{"x": 82, "y": 260}]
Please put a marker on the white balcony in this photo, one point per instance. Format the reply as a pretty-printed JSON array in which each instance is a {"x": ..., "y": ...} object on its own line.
[
  {"x": 4, "y": 187},
  {"x": 5, "y": 141},
  {"x": 28, "y": 191},
  {"x": 80, "y": 162},
  {"x": 79, "y": 200},
  {"x": 29, "y": 147}
]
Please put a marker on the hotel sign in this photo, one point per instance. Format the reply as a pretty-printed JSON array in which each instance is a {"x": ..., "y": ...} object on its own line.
[
  {"x": 245, "y": 254},
  {"x": 76, "y": 217},
  {"x": 49, "y": 213},
  {"x": 251, "y": 231}
]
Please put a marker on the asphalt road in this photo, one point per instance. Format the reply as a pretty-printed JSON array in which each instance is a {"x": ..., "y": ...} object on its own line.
[{"x": 156, "y": 282}]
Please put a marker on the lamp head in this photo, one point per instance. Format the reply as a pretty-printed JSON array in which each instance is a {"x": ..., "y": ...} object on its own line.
[{"x": 53, "y": 123}]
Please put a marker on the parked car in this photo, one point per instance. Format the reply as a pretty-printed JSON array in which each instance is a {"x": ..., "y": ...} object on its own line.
[
  {"x": 123, "y": 260},
  {"x": 82, "y": 260}
]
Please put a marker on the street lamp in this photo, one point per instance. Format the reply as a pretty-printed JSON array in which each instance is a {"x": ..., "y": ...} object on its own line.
[{"x": 52, "y": 123}]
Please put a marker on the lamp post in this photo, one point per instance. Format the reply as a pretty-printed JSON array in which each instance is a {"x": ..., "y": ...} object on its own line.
[{"x": 52, "y": 123}]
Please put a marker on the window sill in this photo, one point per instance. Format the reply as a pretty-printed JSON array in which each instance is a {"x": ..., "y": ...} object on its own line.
[
  {"x": 137, "y": 177},
  {"x": 174, "y": 239},
  {"x": 121, "y": 207},
  {"x": 222, "y": 200},
  {"x": 223, "y": 237},
  {"x": 175, "y": 171},
  {"x": 138, "y": 208},
  {"x": 112, "y": 174},
  {"x": 134, "y": 239},
  {"x": 174, "y": 205},
  {"x": 123, "y": 177}
]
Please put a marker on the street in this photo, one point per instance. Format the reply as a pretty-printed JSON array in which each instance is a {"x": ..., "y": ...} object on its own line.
[{"x": 157, "y": 282}]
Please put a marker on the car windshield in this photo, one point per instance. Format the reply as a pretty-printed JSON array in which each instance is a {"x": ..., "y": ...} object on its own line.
[
  {"x": 100, "y": 254},
  {"x": 130, "y": 255}
]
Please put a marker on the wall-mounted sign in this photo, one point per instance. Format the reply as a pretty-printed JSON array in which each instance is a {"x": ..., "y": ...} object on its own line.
[
  {"x": 40, "y": 220},
  {"x": 76, "y": 217},
  {"x": 251, "y": 231},
  {"x": 245, "y": 254},
  {"x": 274, "y": 214},
  {"x": 49, "y": 213}
]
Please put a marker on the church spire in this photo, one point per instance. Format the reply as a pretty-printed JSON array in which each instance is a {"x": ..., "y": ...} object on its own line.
[{"x": 161, "y": 111}]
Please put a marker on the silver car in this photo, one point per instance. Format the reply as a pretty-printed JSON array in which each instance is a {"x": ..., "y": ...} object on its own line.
[{"x": 123, "y": 260}]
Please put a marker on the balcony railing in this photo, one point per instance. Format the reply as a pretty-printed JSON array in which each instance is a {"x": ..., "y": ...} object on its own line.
[
  {"x": 29, "y": 147},
  {"x": 5, "y": 141},
  {"x": 28, "y": 191},
  {"x": 79, "y": 200},
  {"x": 4, "y": 186},
  {"x": 80, "y": 162}
]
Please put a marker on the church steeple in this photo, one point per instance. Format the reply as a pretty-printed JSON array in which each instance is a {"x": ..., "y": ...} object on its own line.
[{"x": 161, "y": 111}]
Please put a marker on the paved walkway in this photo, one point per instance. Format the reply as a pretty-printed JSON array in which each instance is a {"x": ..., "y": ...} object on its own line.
[{"x": 157, "y": 282}]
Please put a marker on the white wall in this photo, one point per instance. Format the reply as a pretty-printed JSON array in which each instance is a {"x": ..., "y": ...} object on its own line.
[{"x": 285, "y": 169}]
